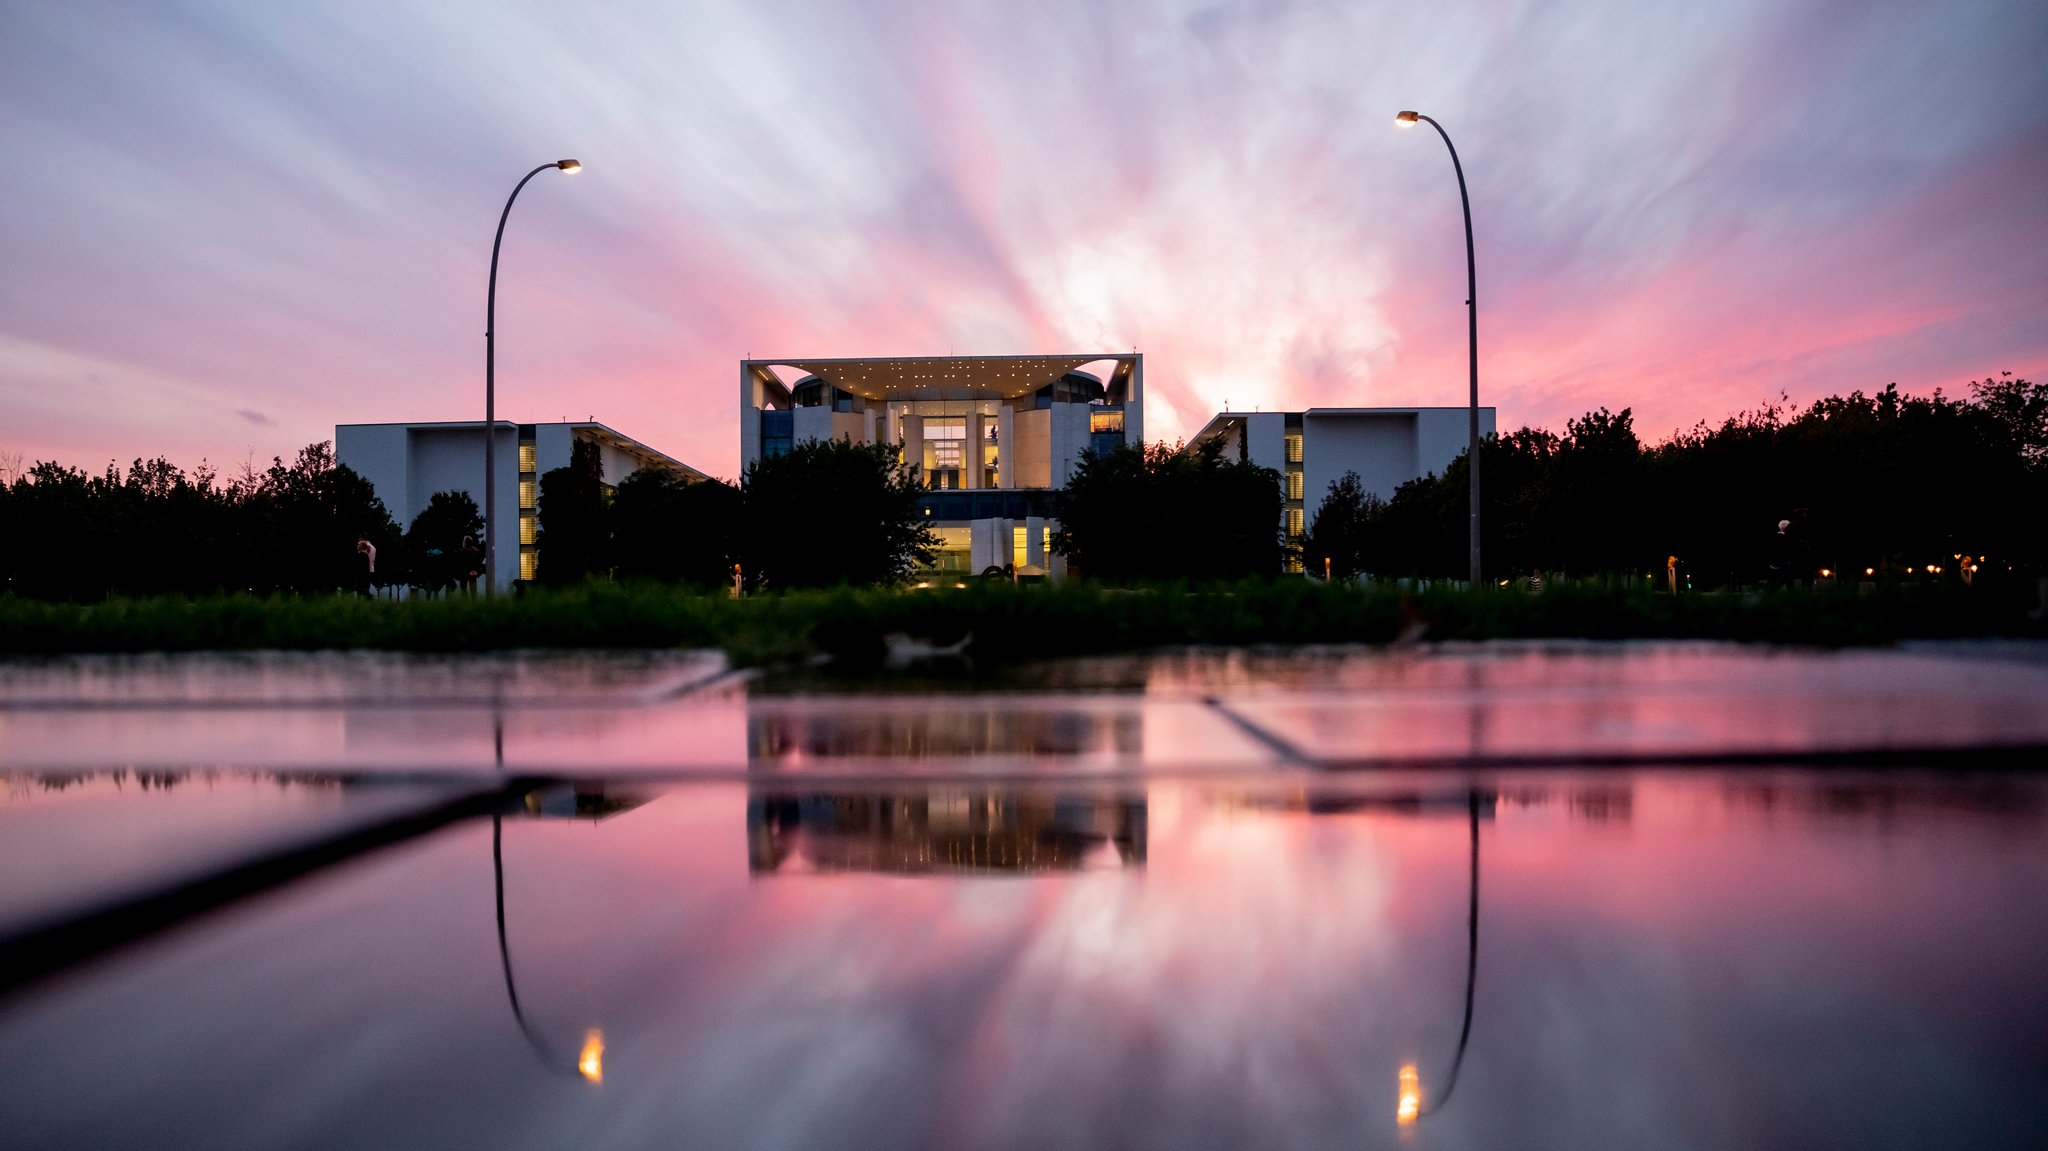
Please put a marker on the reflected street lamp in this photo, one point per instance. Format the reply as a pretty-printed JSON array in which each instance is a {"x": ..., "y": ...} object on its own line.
[
  {"x": 590, "y": 1059},
  {"x": 490, "y": 381},
  {"x": 1472, "y": 312},
  {"x": 1408, "y": 1105}
]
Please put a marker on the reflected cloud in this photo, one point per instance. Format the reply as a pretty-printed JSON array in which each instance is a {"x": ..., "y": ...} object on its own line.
[{"x": 942, "y": 831}]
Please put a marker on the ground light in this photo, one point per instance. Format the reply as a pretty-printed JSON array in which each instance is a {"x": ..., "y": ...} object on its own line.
[{"x": 490, "y": 382}]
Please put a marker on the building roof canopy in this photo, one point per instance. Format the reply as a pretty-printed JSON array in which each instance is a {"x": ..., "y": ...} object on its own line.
[{"x": 947, "y": 377}]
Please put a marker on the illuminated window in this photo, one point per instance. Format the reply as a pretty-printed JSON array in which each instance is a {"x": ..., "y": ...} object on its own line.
[
  {"x": 528, "y": 564},
  {"x": 527, "y": 458},
  {"x": 1020, "y": 544},
  {"x": 529, "y": 530},
  {"x": 527, "y": 491},
  {"x": 1293, "y": 485},
  {"x": 1106, "y": 421},
  {"x": 1294, "y": 447},
  {"x": 1294, "y": 521},
  {"x": 945, "y": 448}
]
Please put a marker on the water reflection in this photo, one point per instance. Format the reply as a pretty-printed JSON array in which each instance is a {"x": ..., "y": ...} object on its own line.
[
  {"x": 587, "y": 800},
  {"x": 1710, "y": 973},
  {"x": 925, "y": 732},
  {"x": 942, "y": 830}
]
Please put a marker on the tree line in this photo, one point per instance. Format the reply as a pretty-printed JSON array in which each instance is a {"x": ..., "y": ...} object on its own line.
[
  {"x": 822, "y": 514},
  {"x": 1885, "y": 484}
]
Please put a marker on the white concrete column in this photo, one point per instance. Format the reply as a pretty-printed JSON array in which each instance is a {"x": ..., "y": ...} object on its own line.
[
  {"x": 972, "y": 475},
  {"x": 1006, "y": 447},
  {"x": 913, "y": 443}
]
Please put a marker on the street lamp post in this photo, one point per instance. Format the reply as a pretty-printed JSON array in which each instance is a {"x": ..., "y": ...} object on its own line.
[
  {"x": 1472, "y": 312},
  {"x": 490, "y": 385}
]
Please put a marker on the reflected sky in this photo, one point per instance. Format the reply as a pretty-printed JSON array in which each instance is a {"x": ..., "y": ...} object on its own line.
[{"x": 1710, "y": 959}]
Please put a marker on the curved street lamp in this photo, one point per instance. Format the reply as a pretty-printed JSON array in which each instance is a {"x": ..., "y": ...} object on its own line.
[
  {"x": 490, "y": 382},
  {"x": 1472, "y": 310}
]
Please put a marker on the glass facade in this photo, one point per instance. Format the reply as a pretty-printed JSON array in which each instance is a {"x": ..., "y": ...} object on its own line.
[{"x": 945, "y": 451}]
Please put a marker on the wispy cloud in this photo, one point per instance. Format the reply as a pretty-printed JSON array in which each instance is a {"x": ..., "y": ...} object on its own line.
[{"x": 1682, "y": 210}]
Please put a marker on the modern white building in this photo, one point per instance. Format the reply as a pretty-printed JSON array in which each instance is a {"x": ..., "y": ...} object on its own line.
[
  {"x": 1387, "y": 447},
  {"x": 993, "y": 436},
  {"x": 408, "y": 463}
]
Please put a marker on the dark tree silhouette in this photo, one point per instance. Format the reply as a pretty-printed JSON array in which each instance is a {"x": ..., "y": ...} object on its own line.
[
  {"x": 1179, "y": 512},
  {"x": 434, "y": 554},
  {"x": 575, "y": 535},
  {"x": 1340, "y": 535},
  {"x": 665, "y": 527},
  {"x": 830, "y": 512}
]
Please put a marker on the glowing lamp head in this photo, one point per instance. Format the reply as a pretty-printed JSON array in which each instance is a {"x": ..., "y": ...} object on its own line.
[
  {"x": 1406, "y": 118},
  {"x": 569, "y": 165},
  {"x": 591, "y": 1061},
  {"x": 1409, "y": 1104}
]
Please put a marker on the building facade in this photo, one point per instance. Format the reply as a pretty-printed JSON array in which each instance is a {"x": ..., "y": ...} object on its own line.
[
  {"x": 993, "y": 437},
  {"x": 408, "y": 463},
  {"x": 1312, "y": 449}
]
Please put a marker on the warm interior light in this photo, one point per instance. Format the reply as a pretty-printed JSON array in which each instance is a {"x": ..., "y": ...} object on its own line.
[
  {"x": 591, "y": 1062},
  {"x": 569, "y": 165},
  {"x": 1410, "y": 1104}
]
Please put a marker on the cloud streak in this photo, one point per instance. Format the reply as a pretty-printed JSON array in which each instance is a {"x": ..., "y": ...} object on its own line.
[{"x": 1683, "y": 210}]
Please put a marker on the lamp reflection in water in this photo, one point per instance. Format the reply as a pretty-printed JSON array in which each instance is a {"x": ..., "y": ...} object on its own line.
[
  {"x": 1408, "y": 1105},
  {"x": 561, "y": 802}
]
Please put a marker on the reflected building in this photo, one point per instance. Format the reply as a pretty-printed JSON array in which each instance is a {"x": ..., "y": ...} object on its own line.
[
  {"x": 942, "y": 830},
  {"x": 969, "y": 729},
  {"x": 1323, "y": 801},
  {"x": 584, "y": 799}
]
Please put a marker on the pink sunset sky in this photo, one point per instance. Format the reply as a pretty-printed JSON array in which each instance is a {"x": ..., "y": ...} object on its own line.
[{"x": 230, "y": 226}]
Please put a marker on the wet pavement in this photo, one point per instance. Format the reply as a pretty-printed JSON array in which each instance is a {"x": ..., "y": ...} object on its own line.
[{"x": 1641, "y": 895}]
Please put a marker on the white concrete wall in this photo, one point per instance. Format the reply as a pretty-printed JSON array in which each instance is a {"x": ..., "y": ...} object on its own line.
[
  {"x": 1034, "y": 458},
  {"x": 1006, "y": 446},
  {"x": 751, "y": 400},
  {"x": 377, "y": 452},
  {"x": 810, "y": 424},
  {"x": 1134, "y": 405},
  {"x": 1068, "y": 438},
  {"x": 553, "y": 447},
  {"x": 1443, "y": 435},
  {"x": 1266, "y": 440},
  {"x": 1380, "y": 447},
  {"x": 853, "y": 427},
  {"x": 1387, "y": 448}
]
